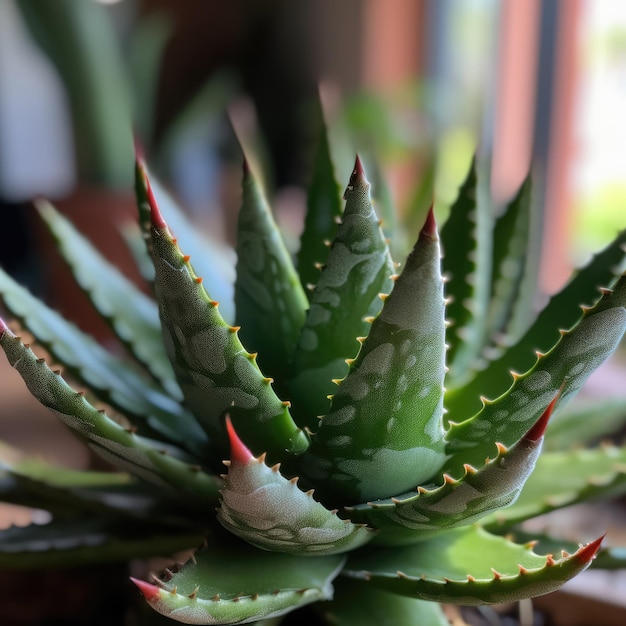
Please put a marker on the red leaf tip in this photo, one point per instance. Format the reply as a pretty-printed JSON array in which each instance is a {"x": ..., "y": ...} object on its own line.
[
  {"x": 358, "y": 173},
  {"x": 139, "y": 151},
  {"x": 587, "y": 553},
  {"x": 536, "y": 432},
  {"x": 150, "y": 592},
  {"x": 238, "y": 451},
  {"x": 3, "y": 327},
  {"x": 430, "y": 225},
  {"x": 155, "y": 213}
]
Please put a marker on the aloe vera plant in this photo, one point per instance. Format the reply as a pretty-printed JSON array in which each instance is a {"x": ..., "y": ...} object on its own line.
[{"x": 340, "y": 428}]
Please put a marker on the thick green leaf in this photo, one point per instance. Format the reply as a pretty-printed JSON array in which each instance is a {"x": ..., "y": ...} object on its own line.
[
  {"x": 216, "y": 373},
  {"x": 323, "y": 211},
  {"x": 466, "y": 566},
  {"x": 466, "y": 244},
  {"x": 384, "y": 434},
  {"x": 414, "y": 516},
  {"x": 564, "y": 478},
  {"x": 265, "y": 509},
  {"x": 562, "y": 370},
  {"x": 230, "y": 583},
  {"x": 270, "y": 301},
  {"x": 378, "y": 608},
  {"x": 133, "y": 316},
  {"x": 149, "y": 460},
  {"x": 562, "y": 312},
  {"x": 114, "y": 381},
  {"x": 87, "y": 540},
  {"x": 212, "y": 260},
  {"x": 358, "y": 268}
]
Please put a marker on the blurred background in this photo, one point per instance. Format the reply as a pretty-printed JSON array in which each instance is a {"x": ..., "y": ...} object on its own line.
[{"x": 416, "y": 85}]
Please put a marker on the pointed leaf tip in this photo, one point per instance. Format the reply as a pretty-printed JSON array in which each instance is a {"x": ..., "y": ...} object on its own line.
[
  {"x": 3, "y": 327},
  {"x": 139, "y": 151},
  {"x": 430, "y": 225},
  {"x": 358, "y": 172},
  {"x": 155, "y": 213},
  {"x": 238, "y": 451},
  {"x": 150, "y": 592},
  {"x": 587, "y": 553},
  {"x": 245, "y": 166},
  {"x": 539, "y": 428}
]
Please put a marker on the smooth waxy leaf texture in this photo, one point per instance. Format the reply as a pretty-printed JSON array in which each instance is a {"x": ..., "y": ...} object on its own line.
[{"x": 384, "y": 433}]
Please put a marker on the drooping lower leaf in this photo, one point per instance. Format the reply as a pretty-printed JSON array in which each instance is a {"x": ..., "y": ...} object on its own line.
[
  {"x": 445, "y": 568},
  {"x": 146, "y": 459},
  {"x": 231, "y": 583},
  {"x": 384, "y": 433},
  {"x": 113, "y": 380}
]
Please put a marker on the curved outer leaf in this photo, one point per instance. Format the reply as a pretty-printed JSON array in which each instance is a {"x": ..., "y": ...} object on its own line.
[
  {"x": 384, "y": 434},
  {"x": 466, "y": 244},
  {"x": 497, "y": 484},
  {"x": 215, "y": 372},
  {"x": 378, "y": 608},
  {"x": 110, "y": 378},
  {"x": 146, "y": 459},
  {"x": 211, "y": 259},
  {"x": 269, "y": 299},
  {"x": 323, "y": 211},
  {"x": 267, "y": 510},
  {"x": 231, "y": 583},
  {"x": 133, "y": 316},
  {"x": 561, "y": 312},
  {"x": 566, "y": 366},
  {"x": 446, "y": 568},
  {"x": 358, "y": 268},
  {"x": 84, "y": 541},
  {"x": 564, "y": 478}
]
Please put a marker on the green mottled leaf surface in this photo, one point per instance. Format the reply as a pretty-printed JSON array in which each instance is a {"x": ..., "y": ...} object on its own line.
[
  {"x": 357, "y": 269},
  {"x": 269, "y": 299},
  {"x": 384, "y": 433}
]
